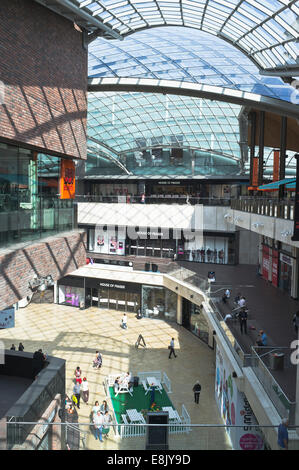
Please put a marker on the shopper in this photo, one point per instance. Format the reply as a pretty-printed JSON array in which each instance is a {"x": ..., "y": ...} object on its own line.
[
  {"x": 85, "y": 390},
  {"x": 107, "y": 420},
  {"x": 98, "y": 421},
  {"x": 196, "y": 390},
  {"x": 171, "y": 347},
  {"x": 243, "y": 315},
  {"x": 104, "y": 407},
  {"x": 96, "y": 408},
  {"x": 77, "y": 374},
  {"x": 38, "y": 362},
  {"x": 124, "y": 322},
  {"x": 262, "y": 339},
  {"x": 76, "y": 392},
  {"x": 283, "y": 435}
]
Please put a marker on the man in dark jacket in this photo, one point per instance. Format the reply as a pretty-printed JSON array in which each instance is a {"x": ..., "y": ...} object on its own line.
[{"x": 196, "y": 390}]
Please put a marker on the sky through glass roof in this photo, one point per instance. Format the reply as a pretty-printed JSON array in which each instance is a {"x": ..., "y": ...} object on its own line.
[{"x": 185, "y": 55}]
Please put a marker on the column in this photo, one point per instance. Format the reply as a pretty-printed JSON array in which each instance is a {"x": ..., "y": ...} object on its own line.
[{"x": 179, "y": 311}]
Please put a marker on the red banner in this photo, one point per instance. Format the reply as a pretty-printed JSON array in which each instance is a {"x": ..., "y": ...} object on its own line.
[
  {"x": 265, "y": 263},
  {"x": 275, "y": 268},
  {"x": 276, "y": 166}
]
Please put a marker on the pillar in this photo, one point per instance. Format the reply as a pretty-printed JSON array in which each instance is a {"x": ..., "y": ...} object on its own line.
[{"x": 179, "y": 311}]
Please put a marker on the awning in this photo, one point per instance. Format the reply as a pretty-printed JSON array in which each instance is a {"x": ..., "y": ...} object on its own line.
[{"x": 289, "y": 182}]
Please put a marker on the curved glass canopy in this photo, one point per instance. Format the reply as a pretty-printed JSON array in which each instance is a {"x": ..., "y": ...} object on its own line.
[
  {"x": 186, "y": 56},
  {"x": 265, "y": 30}
]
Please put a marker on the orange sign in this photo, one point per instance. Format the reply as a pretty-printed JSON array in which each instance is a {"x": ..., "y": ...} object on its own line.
[
  {"x": 276, "y": 166},
  {"x": 67, "y": 179},
  {"x": 255, "y": 169}
]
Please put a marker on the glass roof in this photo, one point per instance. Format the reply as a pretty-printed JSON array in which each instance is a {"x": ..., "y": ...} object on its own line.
[
  {"x": 126, "y": 122},
  {"x": 184, "y": 55},
  {"x": 265, "y": 30}
]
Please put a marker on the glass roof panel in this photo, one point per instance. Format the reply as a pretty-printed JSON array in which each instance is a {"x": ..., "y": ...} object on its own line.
[
  {"x": 188, "y": 55},
  {"x": 236, "y": 18}
]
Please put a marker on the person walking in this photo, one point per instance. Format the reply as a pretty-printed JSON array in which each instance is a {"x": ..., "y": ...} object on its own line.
[
  {"x": 171, "y": 347},
  {"x": 107, "y": 420},
  {"x": 243, "y": 320},
  {"x": 124, "y": 322},
  {"x": 196, "y": 390},
  {"x": 104, "y": 407},
  {"x": 98, "y": 421},
  {"x": 77, "y": 374},
  {"x": 76, "y": 392},
  {"x": 85, "y": 390},
  {"x": 283, "y": 435}
]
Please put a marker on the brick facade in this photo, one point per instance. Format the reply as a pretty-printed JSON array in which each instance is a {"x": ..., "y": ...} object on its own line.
[
  {"x": 44, "y": 71},
  {"x": 58, "y": 256}
]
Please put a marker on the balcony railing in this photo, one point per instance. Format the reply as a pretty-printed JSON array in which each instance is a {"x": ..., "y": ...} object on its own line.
[
  {"x": 282, "y": 209},
  {"x": 157, "y": 199}
]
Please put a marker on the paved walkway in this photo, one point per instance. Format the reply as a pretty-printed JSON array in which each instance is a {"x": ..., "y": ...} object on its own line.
[{"x": 75, "y": 335}]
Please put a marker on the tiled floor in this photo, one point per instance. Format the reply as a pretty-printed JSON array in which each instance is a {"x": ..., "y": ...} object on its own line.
[{"x": 75, "y": 335}]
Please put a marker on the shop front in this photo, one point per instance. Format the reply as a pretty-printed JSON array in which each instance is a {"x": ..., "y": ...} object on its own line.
[
  {"x": 150, "y": 301},
  {"x": 71, "y": 291},
  {"x": 194, "y": 320},
  {"x": 285, "y": 272},
  {"x": 149, "y": 242}
]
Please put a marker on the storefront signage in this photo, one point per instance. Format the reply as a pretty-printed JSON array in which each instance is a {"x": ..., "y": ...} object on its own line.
[
  {"x": 112, "y": 285},
  {"x": 177, "y": 183},
  {"x": 67, "y": 179},
  {"x": 286, "y": 259}
]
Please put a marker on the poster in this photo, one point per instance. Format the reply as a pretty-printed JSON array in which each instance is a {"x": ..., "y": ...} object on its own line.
[
  {"x": 67, "y": 179},
  {"x": 7, "y": 318},
  {"x": 275, "y": 268},
  {"x": 265, "y": 263},
  {"x": 235, "y": 409}
]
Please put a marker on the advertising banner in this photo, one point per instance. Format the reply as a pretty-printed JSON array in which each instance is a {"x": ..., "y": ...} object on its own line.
[
  {"x": 276, "y": 166},
  {"x": 235, "y": 409},
  {"x": 275, "y": 268},
  {"x": 265, "y": 263},
  {"x": 67, "y": 179},
  {"x": 7, "y": 318}
]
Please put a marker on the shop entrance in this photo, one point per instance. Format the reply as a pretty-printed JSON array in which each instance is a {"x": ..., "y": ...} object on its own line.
[{"x": 121, "y": 300}]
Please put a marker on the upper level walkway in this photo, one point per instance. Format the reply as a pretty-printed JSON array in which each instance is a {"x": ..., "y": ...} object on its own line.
[{"x": 270, "y": 310}]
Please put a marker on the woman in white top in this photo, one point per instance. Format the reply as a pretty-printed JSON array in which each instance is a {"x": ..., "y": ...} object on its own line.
[
  {"x": 85, "y": 390},
  {"x": 96, "y": 408}
]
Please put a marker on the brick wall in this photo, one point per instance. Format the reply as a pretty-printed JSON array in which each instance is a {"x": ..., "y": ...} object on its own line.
[
  {"x": 58, "y": 256},
  {"x": 43, "y": 67}
]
